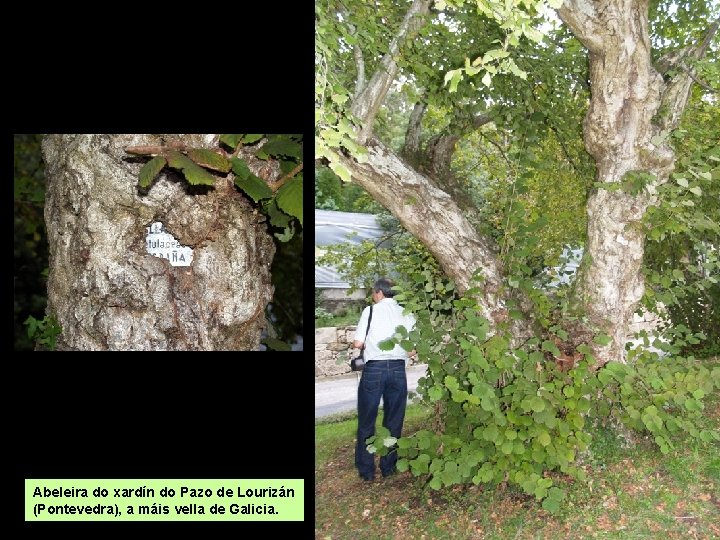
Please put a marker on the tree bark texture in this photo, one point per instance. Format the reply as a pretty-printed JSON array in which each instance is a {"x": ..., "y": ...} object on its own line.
[
  {"x": 108, "y": 293},
  {"x": 624, "y": 130}
]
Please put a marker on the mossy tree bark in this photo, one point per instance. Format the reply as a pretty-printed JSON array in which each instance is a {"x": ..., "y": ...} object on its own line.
[{"x": 108, "y": 293}]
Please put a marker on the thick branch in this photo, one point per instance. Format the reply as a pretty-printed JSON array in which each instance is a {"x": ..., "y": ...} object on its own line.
[
  {"x": 366, "y": 105},
  {"x": 360, "y": 68},
  {"x": 677, "y": 91},
  {"x": 582, "y": 19},
  {"x": 433, "y": 217}
]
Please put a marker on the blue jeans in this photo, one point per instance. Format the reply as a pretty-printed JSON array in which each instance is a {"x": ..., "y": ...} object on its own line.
[{"x": 384, "y": 378}]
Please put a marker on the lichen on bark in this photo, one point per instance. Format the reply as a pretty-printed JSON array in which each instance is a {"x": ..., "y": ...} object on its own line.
[{"x": 108, "y": 293}]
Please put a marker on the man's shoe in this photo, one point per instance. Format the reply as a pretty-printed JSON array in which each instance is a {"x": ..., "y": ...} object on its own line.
[
  {"x": 367, "y": 478},
  {"x": 391, "y": 473}
]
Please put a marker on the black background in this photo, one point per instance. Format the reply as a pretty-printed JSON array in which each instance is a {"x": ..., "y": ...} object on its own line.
[{"x": 172, "y": 415}]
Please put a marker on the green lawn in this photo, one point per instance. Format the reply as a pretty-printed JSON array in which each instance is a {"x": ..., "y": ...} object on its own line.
[{"x": 631, "y": 493}]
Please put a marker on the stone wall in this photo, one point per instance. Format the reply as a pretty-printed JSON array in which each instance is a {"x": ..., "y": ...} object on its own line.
[{"x": 333, "y": 347}]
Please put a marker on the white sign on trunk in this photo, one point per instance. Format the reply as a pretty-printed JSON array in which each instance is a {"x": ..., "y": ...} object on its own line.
[{"x": 161, "y": 243}]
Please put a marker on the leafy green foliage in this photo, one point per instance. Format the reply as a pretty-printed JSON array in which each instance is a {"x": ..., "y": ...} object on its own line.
[
  {"x": 331, "y": 193},
  {"x": 682, "y": 263},
  {"x": 43, "y": 331},
  {"x": 512, "y": 414},
  {"x": 281, "y": 199}
]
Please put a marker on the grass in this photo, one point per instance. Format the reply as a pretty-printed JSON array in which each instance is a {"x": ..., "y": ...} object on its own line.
[{"x": 631, "y": 493}]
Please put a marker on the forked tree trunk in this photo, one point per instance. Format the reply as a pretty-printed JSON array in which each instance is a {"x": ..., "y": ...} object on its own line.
[
  {"x": 105, "y": 289},
  {"x": 626, "y": 130}
]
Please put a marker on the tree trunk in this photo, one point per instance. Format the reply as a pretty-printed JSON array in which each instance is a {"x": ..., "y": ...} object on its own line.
[
  {"x": 104, "y": 288},
  {"x": 625, "y": 131}
]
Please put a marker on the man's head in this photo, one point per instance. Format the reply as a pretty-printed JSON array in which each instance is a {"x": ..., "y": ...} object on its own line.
[{"x": 382, "y": 289}]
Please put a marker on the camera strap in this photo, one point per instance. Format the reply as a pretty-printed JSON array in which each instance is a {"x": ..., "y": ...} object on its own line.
[
  {"x": 368, "y": 328},
  {"x": 365, "y": 340}
]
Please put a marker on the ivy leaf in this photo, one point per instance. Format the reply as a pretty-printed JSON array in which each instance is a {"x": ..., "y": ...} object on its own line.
[
  {"x": 209, "y": 159},
  {"x": 150, "y": 170},
  {"x": 290, "y": 198}
]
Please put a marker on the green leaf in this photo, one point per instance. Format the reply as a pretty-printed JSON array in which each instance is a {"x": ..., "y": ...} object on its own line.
[
  {"x": 435, "y": 393},
  {"x": 602, "y": 339},
  {"x": 387, "y": 345},
  {"x": 696, "y": 190},
  {"x": 551, "y": 348},
  {"x": 249, "y": 139},
  {"x": 544, "y": 438},
  {"x": 150, "y": 170},
  {"x": 231, "y": 140},
  {"x": 537, "y": 404},
  {"x": 287, "y": 234},
  {"x": 551, "y": 505},
  {"x": 281, "y": 147},
  {"x": 197, "y": 175},
  {"x": 276, "y": 344},
  {"x": 253, "y": 186},
  {"x": 209, "y": 159},
  {"x": 341, "y": 170},
  {"x": 278, "y": 218},
  {"x": 682, "y": 182},
  {"x": 32, "y": 324},
  {"x": 290, "y": 198},
  {"x": 193, "y": 174}
]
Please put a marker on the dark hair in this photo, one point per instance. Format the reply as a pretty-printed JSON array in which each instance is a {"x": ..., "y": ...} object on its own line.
[{"x": 385, "y": 286}]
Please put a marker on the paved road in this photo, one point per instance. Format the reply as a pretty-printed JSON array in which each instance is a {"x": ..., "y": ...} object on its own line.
[{"x": 339, "y": 394}]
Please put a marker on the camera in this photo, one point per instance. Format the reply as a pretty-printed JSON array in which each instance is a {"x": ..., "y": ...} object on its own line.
[{"x": 358, "y": 363}]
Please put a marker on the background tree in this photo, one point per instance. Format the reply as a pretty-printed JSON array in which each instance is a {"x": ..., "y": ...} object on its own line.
[
  {"x": 418, "y": 185},
  {"x": 496, "y": 174}
]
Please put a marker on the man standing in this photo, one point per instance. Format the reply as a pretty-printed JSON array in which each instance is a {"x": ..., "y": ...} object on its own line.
[{"x": 383, "y": 376}]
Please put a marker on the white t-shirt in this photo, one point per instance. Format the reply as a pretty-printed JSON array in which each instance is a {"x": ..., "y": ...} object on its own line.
[{"x": 387, "y": 316}]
